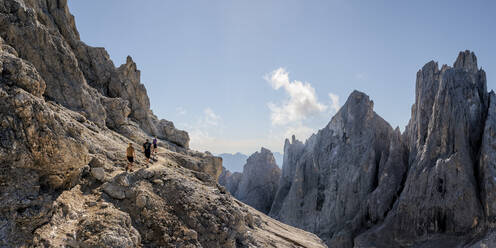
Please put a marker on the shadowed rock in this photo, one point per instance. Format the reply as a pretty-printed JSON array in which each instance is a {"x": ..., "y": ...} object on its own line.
[
  {"x": 258, "y": 183},
  {"x": 230, "y": 180},
  {"x": 431, "y": 186},
  {"x": 345, "y": 175},
  {"x": 441, "y": 196}
]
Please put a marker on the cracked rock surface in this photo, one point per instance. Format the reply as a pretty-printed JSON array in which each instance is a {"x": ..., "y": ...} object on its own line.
[
  {"x": 258, "y": 183},
  {"x": 66, "y": 118},
  {"x": 359, "y": 183}
]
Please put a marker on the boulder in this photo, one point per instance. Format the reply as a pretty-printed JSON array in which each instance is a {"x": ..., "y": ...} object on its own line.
[{"x": 98, "y": 173}]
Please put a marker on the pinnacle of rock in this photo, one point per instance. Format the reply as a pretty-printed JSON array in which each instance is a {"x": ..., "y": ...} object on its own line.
[
  {"x": 67, "y": 115},
  {"x": 258, "y": 183},
  {"x": 402, "y": 189},
  {"x": 466, "y": 61}
]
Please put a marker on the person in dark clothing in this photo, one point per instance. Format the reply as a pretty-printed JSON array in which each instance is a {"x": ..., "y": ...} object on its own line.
[
  {"x": 155, "y": 147},
  {"x": 147, "y": 149}
]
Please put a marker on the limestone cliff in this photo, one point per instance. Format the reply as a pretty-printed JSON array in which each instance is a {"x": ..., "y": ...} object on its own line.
[
  {"x": 441, "y": 201},
  {"x": 359, "y": 183},
  {"x": 66, "y": 117},
  {"x": 258, "y": 183},
  {"x": 81, "y": 78},
  {"x": 342, "y": 174}
]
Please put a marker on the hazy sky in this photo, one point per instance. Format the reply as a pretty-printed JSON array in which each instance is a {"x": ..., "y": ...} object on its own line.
[{"x": 238, "y": 75}]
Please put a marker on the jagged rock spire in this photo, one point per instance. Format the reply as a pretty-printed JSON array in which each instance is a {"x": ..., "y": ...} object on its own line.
[
  {"x": 326, "y": 182},
  {"x": 467, "y": 61},
  {"x": 258, "y": 183}
]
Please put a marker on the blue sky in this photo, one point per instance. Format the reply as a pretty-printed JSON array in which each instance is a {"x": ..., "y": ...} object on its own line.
[{"x": 238, "y": 75}]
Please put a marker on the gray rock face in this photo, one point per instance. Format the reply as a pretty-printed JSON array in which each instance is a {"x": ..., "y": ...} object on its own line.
[
  {"x": 79, "y": 77},
  {"x": 259, "y": 181},
  {"x": 358, "y": 183},
  {"x": 441, "y": 193},
  {"x": 230, "y": 180},
  {"x": 487, "y": 163},
  {"x": 342, "y": 176},
  {"x": 62, "y": 179}
]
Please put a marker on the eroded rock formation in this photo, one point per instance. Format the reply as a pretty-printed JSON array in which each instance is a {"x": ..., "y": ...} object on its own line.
[
  {"x": 258, "y": 183},
  {"x": 81, "y": 78},
  {"x": 359, "y": 183},
  {"x": 328, "y": 183},
  {"x": 441, "y": 194},
  {"x": 230, "y": 180},
  {"x": 66, "y": 117}
]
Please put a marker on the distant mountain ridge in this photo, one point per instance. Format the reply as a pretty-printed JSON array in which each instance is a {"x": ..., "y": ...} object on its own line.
[{"x": 234, "y": 162}]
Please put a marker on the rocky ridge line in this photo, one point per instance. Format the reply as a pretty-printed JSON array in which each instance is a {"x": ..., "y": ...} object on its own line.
[
  {"x": 66, "y": 117},
  {"x": 359, "y": 183},
  {"x": 81, "y": 78}
]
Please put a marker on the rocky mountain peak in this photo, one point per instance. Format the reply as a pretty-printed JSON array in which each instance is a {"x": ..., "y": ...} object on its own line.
[
  {"x": 358, "y": 101},
  {"x": 264, "y": 157},
  {"x": 431, "y": 66},
  {"x": 358, "y": 106},
  {"x": 358, "y": 173},
  {"x": 130, "y": 67},
  {"x": 258, "y": 183},
  {"x": 67, "y": 116},
  {"x": 443, "y": 141},
  {"x": 265, "y": 150},
  {"x": 466, "y": 61}
]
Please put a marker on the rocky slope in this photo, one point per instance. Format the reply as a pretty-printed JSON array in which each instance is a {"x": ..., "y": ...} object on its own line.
[
  {"x": 80, "y": 77},
  {"x": 258, "y": 183},
  {"x": 66, "y": 117},
  {"x": 359, "y": 183}
]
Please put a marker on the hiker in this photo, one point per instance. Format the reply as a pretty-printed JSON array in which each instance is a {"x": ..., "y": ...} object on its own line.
[
  {"x": 147, "y": 150},
  {"x": 130, "y": 157},
  {"x": 155, "y": 146}
]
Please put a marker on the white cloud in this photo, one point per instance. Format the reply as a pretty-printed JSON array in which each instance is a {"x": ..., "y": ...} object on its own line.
[
  {"x": 301, "y": 112},
  {"x": 211, "y": 118},
  {"x": 203, "y": 141},
  {"x": 302, "y": 100},
  {"x": 334, "y": 102},
  {"x": 181, "y": 111}
]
